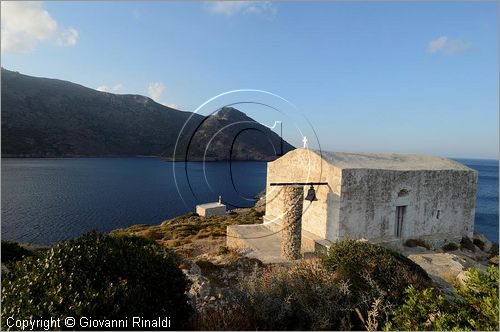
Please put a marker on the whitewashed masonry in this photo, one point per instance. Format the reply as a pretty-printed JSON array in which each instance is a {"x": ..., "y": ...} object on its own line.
[{"x": 379, "y": 197}]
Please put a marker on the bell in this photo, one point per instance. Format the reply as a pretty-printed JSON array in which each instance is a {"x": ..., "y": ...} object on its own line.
[{"x": 311, "y": 195}]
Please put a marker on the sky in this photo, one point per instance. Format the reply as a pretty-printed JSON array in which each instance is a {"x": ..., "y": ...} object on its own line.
[{"x": 401, "y": 77}]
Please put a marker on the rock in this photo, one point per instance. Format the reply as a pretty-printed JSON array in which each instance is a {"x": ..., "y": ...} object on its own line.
[
  {"x": 482, "y": 242},
  {"x": 473, "y": 256},
  {"x": 200, "y": 286},
  {"x": 450, "y": 268},
  {"x": 494, "y": 249},
  {"x": 440, "y": 266},
  {"x": 194, "y": 269}
]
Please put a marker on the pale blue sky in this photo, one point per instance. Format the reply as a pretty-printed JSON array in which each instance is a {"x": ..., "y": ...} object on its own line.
[{"x": 392, "y": 76}]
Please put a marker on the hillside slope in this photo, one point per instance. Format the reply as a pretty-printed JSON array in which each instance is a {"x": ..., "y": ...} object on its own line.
[{"x": 44, "y": 117}]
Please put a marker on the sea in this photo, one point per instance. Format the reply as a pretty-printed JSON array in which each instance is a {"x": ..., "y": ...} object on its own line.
[{"x": 44, "y": 201}]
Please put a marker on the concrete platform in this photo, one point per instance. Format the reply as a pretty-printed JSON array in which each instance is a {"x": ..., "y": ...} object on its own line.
[
  {"x": 211, "y": 209},
  {"x": 263, "y": 241},
  {"x": 256, "y": 241}
]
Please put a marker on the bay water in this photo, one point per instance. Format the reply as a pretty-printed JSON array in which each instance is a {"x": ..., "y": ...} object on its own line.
[{"x": 48, "y": 200}]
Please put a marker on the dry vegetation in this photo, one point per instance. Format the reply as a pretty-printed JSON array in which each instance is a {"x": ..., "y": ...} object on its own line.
[{"x": 192, "y": 235}]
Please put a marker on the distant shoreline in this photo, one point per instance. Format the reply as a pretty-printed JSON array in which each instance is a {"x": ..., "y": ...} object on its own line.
[{"x": 169, "y": 159}]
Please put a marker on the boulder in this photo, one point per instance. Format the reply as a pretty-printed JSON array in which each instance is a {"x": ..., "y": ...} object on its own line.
[
  {"x": 477, "y": 255},
  {"x": 482, "y": 242},
  {"x": 440, "y": 266},
  {"x": 449, "y": 268},
  {"x": 200, "y": 286}
]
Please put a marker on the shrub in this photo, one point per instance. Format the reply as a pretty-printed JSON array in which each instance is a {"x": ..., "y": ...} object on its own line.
[
  {"x": 466, "y": 243},
  {"x": 423, "y": 310},
  {"x": 350, "y": 288},
  {"x": 188, "y": 215},
  {"x": 304, "y": 297},
  {"x": 98, "y": 276},
  {"x": 410, "y": 243},
  {"x": 450, "y": 247},
  {"x": 259, "y": 214},
  {"x": 12, "y": 252},
  {"x": 206, "y": 265},
  {"x": 150, "y": 234},
  {"x": 417, "y": 242},
  {"x": 223, "y": 250},
  {"x": 480, "y": 292},
  {"x": 475, "y": 307},
  {"x": 229, "y": 315},
  {"x": 356, "y": 260},
  {"x": 374, "y": 273}
]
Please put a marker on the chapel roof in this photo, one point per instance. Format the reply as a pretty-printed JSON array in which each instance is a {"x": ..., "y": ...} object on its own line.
[{"x": 389, "y": 161}]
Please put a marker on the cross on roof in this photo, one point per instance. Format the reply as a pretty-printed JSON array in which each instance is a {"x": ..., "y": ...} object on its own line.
[{"x": 304, "y": 140}]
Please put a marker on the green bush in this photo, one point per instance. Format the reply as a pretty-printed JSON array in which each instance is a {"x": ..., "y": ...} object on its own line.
[
  {"x": 474, "y": 308},
  {"x": 354, "y": 286},
  {"x": 98, "y": 276},
  {"x": 12, "y": 252},
  {"x": 480, "y": 292},
  {"x": 423, "y": 310},
  {"x": 376, "y": 275},
  {"x": 358, "y": 261}
]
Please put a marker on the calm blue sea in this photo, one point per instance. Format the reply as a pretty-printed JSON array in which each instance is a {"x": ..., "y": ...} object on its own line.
[
  {"x": 487, "y": 196},
  {"x": 48, "y": 200}
]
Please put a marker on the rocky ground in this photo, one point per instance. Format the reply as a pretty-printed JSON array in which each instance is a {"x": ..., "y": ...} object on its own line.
[
  {"x": 211, "y": 274},
  {"x": 201, "y": 242},
  {"x": 448, "y": 266}
]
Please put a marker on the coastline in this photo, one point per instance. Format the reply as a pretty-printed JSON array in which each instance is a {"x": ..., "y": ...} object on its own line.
[
  {"x": 182, "y": 159},
  {"x": 169, "y": 159}
]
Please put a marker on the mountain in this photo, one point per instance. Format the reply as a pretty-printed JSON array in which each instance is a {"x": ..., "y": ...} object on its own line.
[{"x": 44, "y": 117}]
